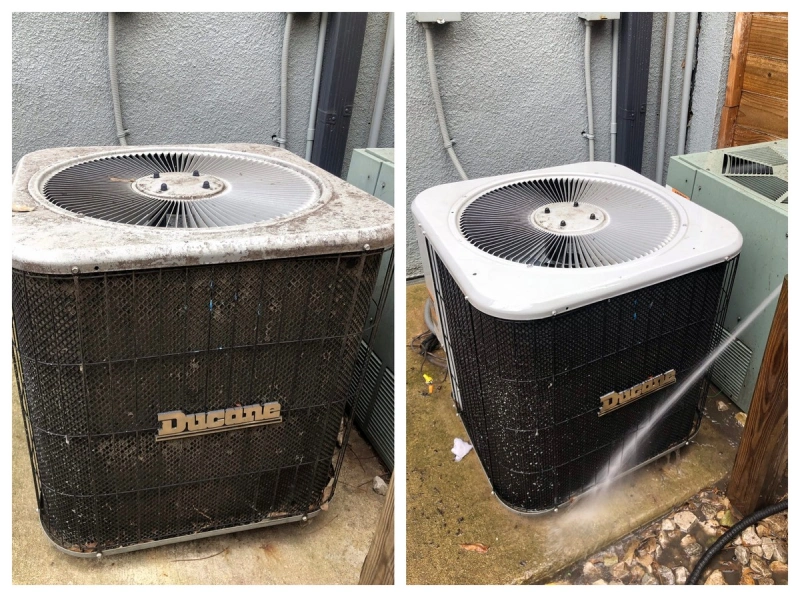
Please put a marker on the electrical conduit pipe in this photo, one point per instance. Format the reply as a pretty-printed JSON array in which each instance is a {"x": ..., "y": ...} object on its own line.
[
  {"x": 587, "y": 71},
  {"x": 383, "y": 83},
  {"x": 287, "y": 31},
  {"x": 662, "y": 116},
  {"x": 437, "y": 100},
  {"x": 614, "y": 66},
  {"x": 112, "y": 75},
  {"x": 312, "y": 117}
]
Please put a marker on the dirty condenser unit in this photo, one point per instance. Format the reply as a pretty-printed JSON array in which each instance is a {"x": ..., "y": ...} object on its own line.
[
  {"x": 186, "y": 323},
  {"x": 570, "y": 299}
]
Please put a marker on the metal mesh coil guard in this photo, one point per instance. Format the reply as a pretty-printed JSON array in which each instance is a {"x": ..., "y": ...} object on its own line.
[
  {"x": 529, "y": 391},
  {"x": 101, "y": 355}
]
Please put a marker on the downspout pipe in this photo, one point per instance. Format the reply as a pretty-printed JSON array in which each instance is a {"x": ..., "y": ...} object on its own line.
[
  {"x": 614, "y": 76},
  {"x": 114, "y": 78},
  {"x": 383, "y": 83},
  {"x": 687, "y": 82},
  {"x": 287, "y": 32},
  {"x": 437, "y": 100},
  {"x": 312, "y": 117},
  {"x": 587, "y": 71},
  {"x": 665, "y": 80}
]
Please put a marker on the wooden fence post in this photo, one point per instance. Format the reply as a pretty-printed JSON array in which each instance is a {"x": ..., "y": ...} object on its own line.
[
  {"x": 762, "y": 457},
  {"x": 378, "y": 568}
]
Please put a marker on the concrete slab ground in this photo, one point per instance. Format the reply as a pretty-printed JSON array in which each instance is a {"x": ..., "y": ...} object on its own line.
[
  {"x": 449, "y": 503},
  {"x": 328, "y": 549}
]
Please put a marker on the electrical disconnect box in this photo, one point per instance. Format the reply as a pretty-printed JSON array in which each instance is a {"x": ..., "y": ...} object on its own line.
[
  {"x": 598, "y": 16},
  {"x": 438, "y": 17}
]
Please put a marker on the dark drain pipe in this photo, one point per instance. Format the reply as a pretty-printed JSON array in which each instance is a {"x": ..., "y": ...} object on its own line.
[
  {"x": 344, "y": 40},
  {"x": 635, "y": 32},
  {"x": 731, "y": 534}
]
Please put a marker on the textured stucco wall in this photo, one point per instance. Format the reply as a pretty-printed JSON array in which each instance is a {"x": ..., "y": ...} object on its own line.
[
  {"x": 184, "y": 78},
  {"x": 513, "y": 91},
  {"x": 708, "y": 97}
]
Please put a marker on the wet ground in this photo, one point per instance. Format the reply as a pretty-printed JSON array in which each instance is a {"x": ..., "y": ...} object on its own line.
[{"x": 667, "y": 550}]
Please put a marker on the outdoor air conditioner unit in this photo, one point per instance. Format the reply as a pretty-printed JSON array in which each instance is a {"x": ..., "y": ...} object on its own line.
[
  {"x": 569, "y": 298},
  {"x": 186, "y": 321},
  {"x": 749, "y": 186}
]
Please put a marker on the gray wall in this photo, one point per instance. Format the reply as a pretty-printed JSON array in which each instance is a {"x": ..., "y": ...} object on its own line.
[
  {"x": 514, "y": 95},
  {"x": 184, "y": 78}
]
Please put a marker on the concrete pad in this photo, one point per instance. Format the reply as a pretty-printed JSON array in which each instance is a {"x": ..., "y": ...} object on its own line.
[
  {"x": 328, "y": 549},
  {"x": 449, "y": 503}
]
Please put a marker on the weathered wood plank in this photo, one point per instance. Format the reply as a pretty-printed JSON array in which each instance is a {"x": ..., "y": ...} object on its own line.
[
  {"x": 733, "y": 89},
  {"x": 378, "y": 568},
  {"x": 767, "y": 76},
  {"x": 765, "y": 113},
  {"x": 745, "y": 136},
  {"x": 769, "y": 36},
  {"x": 762, "y": 457}
]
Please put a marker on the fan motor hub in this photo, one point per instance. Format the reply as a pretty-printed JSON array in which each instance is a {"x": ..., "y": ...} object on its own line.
[
  {"x": 179, "y": 185},
  {"x": 566, "y": 218}
]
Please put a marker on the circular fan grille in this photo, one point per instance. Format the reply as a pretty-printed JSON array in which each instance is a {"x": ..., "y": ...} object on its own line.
[
  {"x": 192, "y": 189},
  {"x": 573, "y": 221}
]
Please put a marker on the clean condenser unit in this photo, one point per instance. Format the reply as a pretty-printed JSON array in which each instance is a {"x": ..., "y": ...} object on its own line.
[
  {"x": 570, "y": 300},
  {"x": 186, "y": 324}
]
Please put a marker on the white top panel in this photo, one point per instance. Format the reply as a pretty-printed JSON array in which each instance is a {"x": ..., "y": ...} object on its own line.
[{"x": 518, "y": 291}]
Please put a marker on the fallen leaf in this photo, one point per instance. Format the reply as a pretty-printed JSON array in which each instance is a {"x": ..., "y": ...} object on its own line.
[
  {"x": 19, "y": 208},
  {"x": 479, "y": 547}
]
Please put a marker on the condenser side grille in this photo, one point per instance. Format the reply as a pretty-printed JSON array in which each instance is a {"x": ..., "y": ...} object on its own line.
[
  {"x": 771, "y": 187},
  {"x": 101, "y": 355},
  {"x": 529, "y": 391},
  {"x": 731, "y": 367}
]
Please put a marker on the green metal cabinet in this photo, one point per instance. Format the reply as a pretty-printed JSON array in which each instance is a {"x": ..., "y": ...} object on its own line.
[
  {"x": 749, "y": 187},
  {"x": 372, "y": 170}
]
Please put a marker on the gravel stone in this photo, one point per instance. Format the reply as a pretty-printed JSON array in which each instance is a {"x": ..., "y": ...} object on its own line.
[
  {"x": 684, "y": 520},
  {"x": 750, "y": 538},
  {"x": 681, "y": 574},
  {"x": 648, "y": 579},
  {"x": 759, "y": 566},
  {"x": 741, "y": 555},
  {"x": 715, "y": 578}
]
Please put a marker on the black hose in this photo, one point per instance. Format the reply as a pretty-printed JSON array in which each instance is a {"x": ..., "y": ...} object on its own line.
[{"x": 731, "y": 534}]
